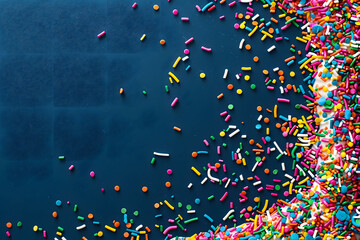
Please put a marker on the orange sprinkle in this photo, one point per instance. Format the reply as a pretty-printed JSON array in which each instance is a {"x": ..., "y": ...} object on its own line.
[
  {"x": 177, "y": 129},
  {"x": 281, "y": 72},
  {"x": 90, "y": 216},
  {"x": 54, "y": 214},
  {"x": 128, "y": 225},
  {"x": 266, "y": 120},
  {"x": 258, "y": 108},
  {"x": 220, "y": 96},
  {"x": 156, "y": 7},
  {"x": 265, "y": 72},
  {"x": 249, "y": 208},
  {"x": 256, "y": 59},
  {"x": 162, "y": 42},
  {"x": 168, "y": 184},
  {"x": 257, "y": 199},
  {"x": 230, "y": 86},
  {"x": 126, "y": 234},
  {"x": 217, "y": 165},
  {"x": 238, "y": 161},
  {"x": 251, "y": 142},
  {"x": 156, "y": 205},
  {"x": 194, "y": 154},
  {"x": 266, "y": 171},
  {"x": 248, "y": 47},
  {"x": 121, "y": 90},
  {"x": 117, "y": 188},
  {"x": 8, "y": 225},
  {"x": 116, "y": 224},
  {"x": 278, "y": 125},
  {"x": 144, "y": 189}
]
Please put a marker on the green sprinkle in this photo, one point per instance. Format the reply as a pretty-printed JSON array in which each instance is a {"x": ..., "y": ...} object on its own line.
[
  {"x": 152, "y": 161},
  {"x": 60, "y": 229},
  {"x": 166, "y": 88},
  {"x": 19, "y": 224},
  {"x": 123, "y": 210},
  {"x": 136, "y": 213},
  {"x": 188, "y": 207},
  {"x": 275, "y": 171},
  {"x": 230, "y": 107},
  {"x": 144, "y": 92},
  {"x": 81, "y": 218},
  {"x": 179, "y": 204},
  {"x": 61, "y": 157},
  {"x": 253, "y": 86},
  {"x": 191, "y": 220},
  {"x": 211, "y": 197},
  {"x": 75, "y": 208}
]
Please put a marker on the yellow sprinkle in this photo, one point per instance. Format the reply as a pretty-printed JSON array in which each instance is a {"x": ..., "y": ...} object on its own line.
[
  {"x": 143, "y": 37},
  {"x": 255, "y": 221},
  {"x": 59, "y": 234},
  {"x": 267, "y": 34},
  {"x": 282, "y": 15},
  {"x": 244, "y": 162},
  {"x": 174, "y": 77},
  {"x": 290, "y": 188},
  {"x": 307, "y": 178},
  {"x": 142, "y": 232},
  {"x": 275, "y": 111},
  {"x": 265, "y": 5},
  {"x": 181, "y": 218},
  {"x": 246, "y": 68},
  {"x": 176, "y": 62},
  {"x": 253, "y": 31},
  {"x": 170, "y": 79},
  {"x": 267, "y": 131},
  {"x": 301, "y": 40},
  {"x": 265, "y": 206},
  {"x": 169, "y": 205},
  {"x": 157, "y": 226},
  {"x": 286, "y": 183},
  {"x": 196, "y": 171},
  {"x": 137, "y": 237},
  {"x": 110, "y": 228}
]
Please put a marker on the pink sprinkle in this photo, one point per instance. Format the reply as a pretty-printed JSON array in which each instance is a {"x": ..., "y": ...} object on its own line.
[
  {"x": 92, "y": 174},
  {"x": 283, "y": 100},
  {"x": 101, "y": 34},
  {"x": 224, "y": 196},
  {"x": 175, "y": 12},
  {"x": 206, "y": 142},
  {"x": 227, "y": 118},
  {"x": 189, "y": 40},
  {"x": 232, "y": 3},
  {"x": 186, "y": 51},
  {"x": 71, "y": 167},
  {"x": 222, "y": 17},
  {"x": 44, "y": 234},
  {"x": 185, "y": 19},
  {"x": 218, "y": 150},
  {"x": 169, "y": 171},
  {"x": 224, "y": 168},
  {"x": 198, "y": 8},
  {"x": 134, "y": 5},
  {"x": 8, "y": 234},
  {"x": 223, "y": 113},
  {"x": 174, "y": 102},
  {"x": 206, "y": 49}
]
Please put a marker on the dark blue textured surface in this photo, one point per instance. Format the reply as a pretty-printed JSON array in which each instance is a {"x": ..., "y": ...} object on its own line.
[{"x": 59, "y": 95}]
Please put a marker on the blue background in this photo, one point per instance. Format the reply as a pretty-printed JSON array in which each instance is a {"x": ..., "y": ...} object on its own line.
[{"x": 59, "y": 95}]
